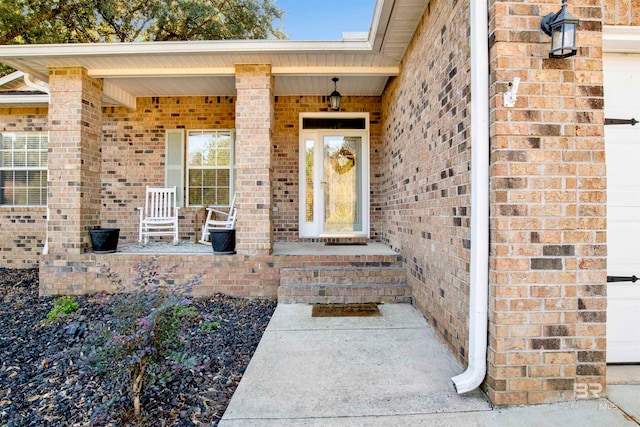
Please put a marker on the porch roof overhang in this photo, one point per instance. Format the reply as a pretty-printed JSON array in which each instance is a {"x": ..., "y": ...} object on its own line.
[{"x": 362, "y": 61}]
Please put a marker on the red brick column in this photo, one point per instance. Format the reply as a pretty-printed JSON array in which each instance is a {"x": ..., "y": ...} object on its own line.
[
  {"x": 547, "y": 309},
  {"x": 75, "y": 130},
  {"x": 254, "y": 130}
]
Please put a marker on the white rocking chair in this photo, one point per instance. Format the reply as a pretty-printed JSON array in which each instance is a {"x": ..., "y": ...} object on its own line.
[
  {"x": 223, "y": 219},
  {"x": 159, "y": 217}
]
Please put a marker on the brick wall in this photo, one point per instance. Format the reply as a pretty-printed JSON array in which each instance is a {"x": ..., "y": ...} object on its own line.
[
  {"x": 622, "y": 12},
  {"x": 548, "y": 208},
  {"x": 424, "y": 178},
  {"x": 22, "y": 230},
  {"x": 75, "y": 118},
  {"x": 286, "y": 156},
  {"x": 254, "y": 132},
  {"x": 133, "y": 154}
]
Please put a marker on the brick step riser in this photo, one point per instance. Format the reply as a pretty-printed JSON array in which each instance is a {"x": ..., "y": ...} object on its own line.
[{"x": 344, "y": 285}]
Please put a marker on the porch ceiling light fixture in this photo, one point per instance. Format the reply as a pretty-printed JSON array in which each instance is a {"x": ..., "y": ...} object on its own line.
[
  {"x": 335, "y": 96},
  {"x": 561, "y": 26}
]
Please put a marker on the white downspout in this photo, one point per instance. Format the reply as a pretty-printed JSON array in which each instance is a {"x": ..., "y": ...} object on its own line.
[{"x": 479, "y": 286}]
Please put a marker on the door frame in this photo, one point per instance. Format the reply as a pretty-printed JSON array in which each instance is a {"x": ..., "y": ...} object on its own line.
[{"x": 315, "y": 229}]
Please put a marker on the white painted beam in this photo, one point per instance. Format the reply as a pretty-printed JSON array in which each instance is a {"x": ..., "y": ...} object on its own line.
[{"x": 119, "y": 95}]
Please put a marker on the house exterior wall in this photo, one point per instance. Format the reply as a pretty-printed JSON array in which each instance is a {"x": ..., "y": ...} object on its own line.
[
  {"x": 547, "y": 199},
  {"x": 547, "y": 313},
  {"x": 22, "y": 229},
  {"x": 622, "y": 12},
  {"x": 286, "y": 175},
  {"x": 425, "y": 175}
]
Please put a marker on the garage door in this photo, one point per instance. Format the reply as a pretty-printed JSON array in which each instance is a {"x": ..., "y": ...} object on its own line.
[{"x": 622, "y": 102}]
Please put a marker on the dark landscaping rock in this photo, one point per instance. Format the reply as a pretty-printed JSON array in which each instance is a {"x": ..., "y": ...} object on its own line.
[{"x": 45, "y": 382}]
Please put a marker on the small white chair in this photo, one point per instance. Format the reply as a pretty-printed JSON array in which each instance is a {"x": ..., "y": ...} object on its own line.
[
  {"x": 224, "y": 219},
  {"x": 159, "y": 217}
]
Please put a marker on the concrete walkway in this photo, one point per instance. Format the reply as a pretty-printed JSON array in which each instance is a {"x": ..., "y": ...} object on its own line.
[{"x": 390, "y": 370}]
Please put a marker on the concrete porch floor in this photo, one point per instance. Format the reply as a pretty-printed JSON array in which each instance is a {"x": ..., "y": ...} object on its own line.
[{"x": 390, "y": 370}]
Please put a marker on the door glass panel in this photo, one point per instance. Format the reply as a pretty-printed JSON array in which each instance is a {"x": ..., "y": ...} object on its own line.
[
  {"x": 342, "y": 184},
  {"x": 309, "y": 158}
]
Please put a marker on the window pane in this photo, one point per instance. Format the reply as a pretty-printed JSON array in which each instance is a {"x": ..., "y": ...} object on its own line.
[
  {"x": 23, "y": 158},
  {"x": 195, "y": 196},
  {"x": 209, "y": 162},
  {"x": 223, "y": 196},
  {"x": 210, "y": 196},
  {"x": 19, "y": 159},
  {"x": 209, "y": 177},
  {"x": 33, "y": 141},
  {"x": 195, "y": 177},
  {"x": 223, "y": 178},
  {"x": 196, "y": 148},
  {"x": 209, "y": 149},
  {"x": 20, "y": 142}
]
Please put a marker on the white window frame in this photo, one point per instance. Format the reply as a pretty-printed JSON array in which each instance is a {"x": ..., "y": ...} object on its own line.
[
  {"x": 26, "y": 168},
  {"x": 177, "y": 141}
]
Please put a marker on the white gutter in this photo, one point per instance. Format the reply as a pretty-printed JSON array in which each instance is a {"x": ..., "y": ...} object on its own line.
[
  {"x": 479, "y": 286},
  {"x": 42, "y": 87},
  {"x": 24, "y": 99}
]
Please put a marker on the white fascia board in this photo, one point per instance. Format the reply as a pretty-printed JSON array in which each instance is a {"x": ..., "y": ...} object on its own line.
[
  {"x": 231, "y": 71},
  {"x": 621, "y": 39},
  {"x": 332, "y": 71},
  {"x": 24, "y": 99},
  {"x": 161, "y": 72},
  {"x": 182, "y": 47}
]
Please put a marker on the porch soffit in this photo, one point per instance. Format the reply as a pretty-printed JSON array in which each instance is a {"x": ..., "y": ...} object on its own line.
[{"x": 133, "y": 70}]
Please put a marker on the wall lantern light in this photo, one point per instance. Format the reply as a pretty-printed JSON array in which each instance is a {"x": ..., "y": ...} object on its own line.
[
  {"x": 335, "y": 96},
  {"x": 561, "y": 27}
]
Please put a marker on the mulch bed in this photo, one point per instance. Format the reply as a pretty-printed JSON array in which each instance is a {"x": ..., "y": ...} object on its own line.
[{"x": 43, "y": 381}]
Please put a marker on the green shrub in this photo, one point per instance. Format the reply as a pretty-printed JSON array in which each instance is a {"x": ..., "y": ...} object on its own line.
[
  {"x": 62, "y": 307},
  {"x": 140, "y": 342}
]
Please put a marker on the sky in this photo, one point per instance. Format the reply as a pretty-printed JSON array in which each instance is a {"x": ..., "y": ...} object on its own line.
[{"x": 325, "y": 19}]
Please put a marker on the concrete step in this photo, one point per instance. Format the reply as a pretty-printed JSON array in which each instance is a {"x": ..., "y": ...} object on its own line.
[{"x": 344, "y": 285}]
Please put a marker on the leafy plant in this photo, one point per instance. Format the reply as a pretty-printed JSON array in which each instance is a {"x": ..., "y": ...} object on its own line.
[
  {"x": 62, "y": 307},
  {"x": 210, "y": 326},
  {"x": 140, "y": 343}
]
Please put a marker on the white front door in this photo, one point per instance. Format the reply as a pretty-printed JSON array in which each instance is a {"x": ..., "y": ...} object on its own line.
[
  {"x": 622, "y": 101},
  {"x": 334, "y": 177}
]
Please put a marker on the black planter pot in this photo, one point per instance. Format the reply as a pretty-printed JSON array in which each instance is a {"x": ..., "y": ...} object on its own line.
[
  {"x": 104, "y": 240},
  {"x": 223, "y": 241}
]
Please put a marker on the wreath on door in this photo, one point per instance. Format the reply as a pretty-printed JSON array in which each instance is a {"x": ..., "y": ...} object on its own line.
[{"x": 342, "y": 161}]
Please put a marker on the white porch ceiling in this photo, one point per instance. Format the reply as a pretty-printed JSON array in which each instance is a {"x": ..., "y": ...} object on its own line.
[{"x": 207, "y": 68}]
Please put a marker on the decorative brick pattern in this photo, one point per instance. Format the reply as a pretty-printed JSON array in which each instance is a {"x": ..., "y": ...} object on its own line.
[
  {"x": 22, "y": 229},
  {"x": 75, "y": 119},
  {"x": 548, "y": 208},
  {"x": 254, "y": 132},
  {"x": 424, "y": 178}
]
